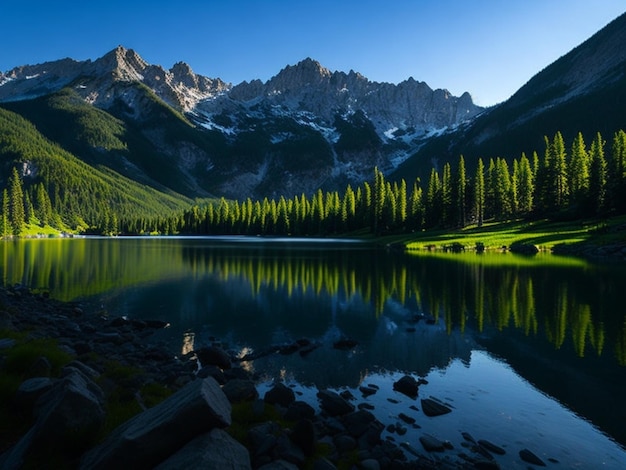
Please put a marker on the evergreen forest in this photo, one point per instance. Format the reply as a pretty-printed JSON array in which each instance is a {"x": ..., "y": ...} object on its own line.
[{"x": 49, "y": 187}]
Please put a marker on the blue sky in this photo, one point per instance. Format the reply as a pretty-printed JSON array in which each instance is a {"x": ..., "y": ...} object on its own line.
[{"x": 487, "y": 47}]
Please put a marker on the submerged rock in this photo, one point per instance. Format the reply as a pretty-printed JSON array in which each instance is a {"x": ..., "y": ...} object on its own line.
[
  {"x": 434, "y": 408},
  {"x": 491, "y": 447},
  {"x": 431, "y": 443},
  {"x": 527, "y": 456},
  {"x": 345, "y": 344}
]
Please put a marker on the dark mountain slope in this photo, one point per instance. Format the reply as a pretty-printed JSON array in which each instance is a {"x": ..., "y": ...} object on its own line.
[{"x": 583, "y": 91}]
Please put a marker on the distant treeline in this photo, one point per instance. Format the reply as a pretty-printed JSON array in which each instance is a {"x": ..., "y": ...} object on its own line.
[{"x": 582, "y": 182}]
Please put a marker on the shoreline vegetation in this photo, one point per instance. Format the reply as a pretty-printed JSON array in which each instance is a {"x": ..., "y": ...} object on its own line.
[{"x": 588, "y": 238}]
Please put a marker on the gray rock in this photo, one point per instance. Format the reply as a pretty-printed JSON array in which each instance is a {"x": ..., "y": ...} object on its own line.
[
  {"x": 212, "y": 371},
  {"x": 323, "y": 464},
  {"x": 215, "y": 450},
  {"x": 369, "y": 464},
  {"x": 345, "y": 443},
  {"x": 30, "y": 390},
  {"x": 214, "y": 356},
  {"x": 279, "y": 465},
  {"x": 431, "y": 443},
  {"x": 280, "y": 394},
  {"x": 407, "y": 385},
  {"x": 333, "y": 404},
  {"x": 486, "y": 465},
  {"x": 262, "y": 437},
  {"x": 299, "y": 410},
  {"x": 287, "y": 450},
  {"x": 527, "y": 456},
  {"x": 154, "y": 435},
  {"x": 6, "y": 343},
  {"x": 239, "y": 390},
  {"x": 367, "y": 391},
  {"x": 434, "y": 408},
  {"x": 406, "y": 418},
  {"x": 74, "y": 405},
  {"x": 303, "y": 435},
  {"x": 491, "y": 447},
  {"x": 69, "y": 415},
  {"x": 358, "y": 422},
  {"x": 84, "y": 369}
]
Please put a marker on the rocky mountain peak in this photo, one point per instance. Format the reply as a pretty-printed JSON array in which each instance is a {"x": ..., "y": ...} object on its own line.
[
  {"x": 125, "y": 64},
  {"x": 307, "y": 72}
]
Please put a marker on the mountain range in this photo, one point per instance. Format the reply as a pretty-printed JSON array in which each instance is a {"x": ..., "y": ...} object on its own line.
[{"x": 188, "y": 136}]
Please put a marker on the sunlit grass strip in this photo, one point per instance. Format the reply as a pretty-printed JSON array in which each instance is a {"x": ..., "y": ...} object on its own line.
[{"x": 543, "y": 234}]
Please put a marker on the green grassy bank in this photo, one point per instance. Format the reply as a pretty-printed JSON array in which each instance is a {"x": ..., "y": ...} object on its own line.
[{"x": 544, "y": 234}]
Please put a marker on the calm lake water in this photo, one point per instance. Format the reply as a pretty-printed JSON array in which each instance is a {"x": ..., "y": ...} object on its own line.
[{"x": 529, "y": 352}]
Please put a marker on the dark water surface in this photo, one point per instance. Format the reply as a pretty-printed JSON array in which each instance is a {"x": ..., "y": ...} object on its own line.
[{"x": 529, "y": 352}]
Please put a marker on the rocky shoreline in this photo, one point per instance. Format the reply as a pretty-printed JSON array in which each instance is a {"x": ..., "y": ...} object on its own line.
[{"x": 209, "y": 413}]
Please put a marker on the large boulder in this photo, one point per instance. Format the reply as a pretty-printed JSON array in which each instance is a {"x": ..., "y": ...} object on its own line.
[
  {"x": 215, "y": 450},
  {"x": 154, "y": 435},
  {"x": 68, "y": 417}
]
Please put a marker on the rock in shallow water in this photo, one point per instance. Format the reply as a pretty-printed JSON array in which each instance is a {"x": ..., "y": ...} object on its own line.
[
  {"x": 407, "y": 385},
  {"x": 334, "y": 404},
  {"x": 431, "y": 443},
  {"x": 280, "y": 394},
  {"x": 527, "y": 456},
  {"x": 434, "y": 408}
]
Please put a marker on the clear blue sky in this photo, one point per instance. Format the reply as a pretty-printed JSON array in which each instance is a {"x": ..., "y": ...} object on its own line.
[{"x": 487, "y": 47}]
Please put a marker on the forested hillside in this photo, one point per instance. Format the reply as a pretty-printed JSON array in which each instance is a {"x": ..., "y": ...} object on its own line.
[
  {"x": 57, "y": 189},
  {"x": 564, "y": 183}
]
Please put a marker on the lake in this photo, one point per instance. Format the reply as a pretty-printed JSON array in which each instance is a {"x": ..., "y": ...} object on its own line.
[{"x": 528, "y": 352}]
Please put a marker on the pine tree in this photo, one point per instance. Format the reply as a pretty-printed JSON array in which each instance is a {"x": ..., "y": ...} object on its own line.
[
  {"x": 597, "y": 176},
  {"x": 16, "y": 194},
  {"x": 5, "y": 228},
  {"x": 417, "y": 207},
  {"x": 491, "y": 180},
  {"x": 559, "y": 172},
  {"x": 502, "y": 190},
  {"x": 460, "y": 194},
  {"x": 446, "y": 195},
  {"x": 433, "y": 199},
  {"x": 401, "y": 201},
  {"x": 617, "y": 172},
  {"x": 378, "y": 198},
  {"x": 525, "y": 186},
  {"x": 479, "y": 193},
  {"x": 579, "y": 170}
]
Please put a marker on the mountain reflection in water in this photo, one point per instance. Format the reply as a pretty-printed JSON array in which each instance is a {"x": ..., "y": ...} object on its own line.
[{"x": 557, "y": 322}]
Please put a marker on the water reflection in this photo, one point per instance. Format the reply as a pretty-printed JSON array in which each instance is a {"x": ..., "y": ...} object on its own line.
[{"x": 558, "y": 322}]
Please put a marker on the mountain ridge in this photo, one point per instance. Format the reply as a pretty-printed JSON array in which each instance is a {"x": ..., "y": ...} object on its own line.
[
  {"x": 307, "y": 127},
  {"x": 256, "y": 135}
]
